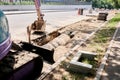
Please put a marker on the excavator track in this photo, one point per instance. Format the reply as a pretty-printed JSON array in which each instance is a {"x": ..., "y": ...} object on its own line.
[{"x": 18, "y": 65}]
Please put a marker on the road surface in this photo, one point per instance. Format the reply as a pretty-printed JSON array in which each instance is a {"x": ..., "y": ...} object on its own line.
[{"x": 54, "y": 20}]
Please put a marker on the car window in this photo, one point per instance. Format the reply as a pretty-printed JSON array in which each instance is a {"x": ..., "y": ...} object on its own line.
[{"x": 4, "y": 28}]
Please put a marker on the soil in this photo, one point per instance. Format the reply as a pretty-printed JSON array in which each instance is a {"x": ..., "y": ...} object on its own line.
[{"x": 80, "y": 31}]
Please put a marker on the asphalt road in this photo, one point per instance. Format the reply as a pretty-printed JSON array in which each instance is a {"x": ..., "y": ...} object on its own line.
[{"x": 54, "y": 20}]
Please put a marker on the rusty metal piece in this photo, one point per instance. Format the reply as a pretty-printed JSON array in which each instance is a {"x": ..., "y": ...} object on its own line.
[{"x": 80, "y": 11}]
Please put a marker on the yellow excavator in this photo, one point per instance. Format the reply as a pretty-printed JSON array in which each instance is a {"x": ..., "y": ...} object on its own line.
[
  {"x": 22, "y": 60},
  {"x": 39, "y": 24}
]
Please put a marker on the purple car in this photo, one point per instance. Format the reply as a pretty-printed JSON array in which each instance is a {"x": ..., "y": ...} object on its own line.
[{"x": 5, "y": 42}]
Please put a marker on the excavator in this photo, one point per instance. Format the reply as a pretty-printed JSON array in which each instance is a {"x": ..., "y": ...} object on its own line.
[
  {"x": 39, "y": 24},
  {"x": 22, "y": 60}
]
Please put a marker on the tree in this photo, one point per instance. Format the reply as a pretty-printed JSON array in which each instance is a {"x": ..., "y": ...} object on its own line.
[
  {"x": 106, "y": 3},
  {"x": 116, "y": 3}
]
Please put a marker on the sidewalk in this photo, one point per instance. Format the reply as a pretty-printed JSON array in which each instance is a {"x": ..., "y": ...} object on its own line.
[{"x": 112, "y": 67}]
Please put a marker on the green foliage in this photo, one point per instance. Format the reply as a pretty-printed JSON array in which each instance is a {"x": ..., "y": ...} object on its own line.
[
  {"x": 17, "y": 3},
  {"x": 116, "y": 3},
  {"x": 114, "y": 20},
  {"x": 87, "y": 61},
  {"x": 4, "y": 3},
  {"x": 106, "y": 4}
]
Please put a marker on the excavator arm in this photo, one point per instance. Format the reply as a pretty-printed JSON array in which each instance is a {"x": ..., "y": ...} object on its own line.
[{"x": 39, "y": 24}]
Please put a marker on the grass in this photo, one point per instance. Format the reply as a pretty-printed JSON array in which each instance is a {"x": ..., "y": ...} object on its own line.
[
  {"x": 99, "y": 43},
  {"x": 87, "y": 61},
  {"x": 107, "y": 32},
  {"x": 103, "y": 37},
  {"x": 114, "y": 21}
]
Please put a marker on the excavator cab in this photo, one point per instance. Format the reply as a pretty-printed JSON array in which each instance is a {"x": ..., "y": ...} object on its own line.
[{"x": 5, "y": 42}]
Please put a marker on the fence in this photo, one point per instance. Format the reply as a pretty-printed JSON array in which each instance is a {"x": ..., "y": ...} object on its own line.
[{"x": 46, "y": 2}]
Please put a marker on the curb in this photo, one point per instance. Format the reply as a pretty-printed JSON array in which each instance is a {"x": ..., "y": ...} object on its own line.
[
  {"x": 29, "y": 12},
  {"x": 102, "y": 65}
]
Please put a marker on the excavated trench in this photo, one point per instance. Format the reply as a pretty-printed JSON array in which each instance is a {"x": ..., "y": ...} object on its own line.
[
  {"x": 28, "y": 58},
  {"x": 46, "y": 47},
  {"x": 67, "y": 36},
  {"x": 63, "y": 39}
]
